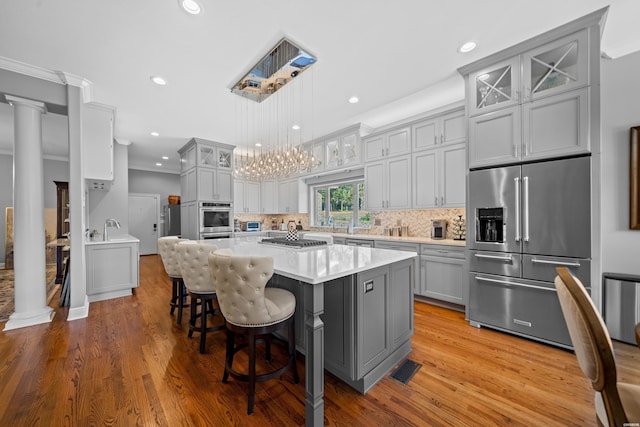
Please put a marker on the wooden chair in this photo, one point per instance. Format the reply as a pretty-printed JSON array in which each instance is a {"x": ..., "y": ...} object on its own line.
[
  {"x": 169, "y": 256},
  {"x": 616, "y": 403},
  {"x": 252, "y": 311},
  {"x": 193, "y": 257}
]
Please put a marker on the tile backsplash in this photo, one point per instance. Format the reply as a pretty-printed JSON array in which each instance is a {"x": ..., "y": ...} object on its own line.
[{"x": 417, "y": 221}]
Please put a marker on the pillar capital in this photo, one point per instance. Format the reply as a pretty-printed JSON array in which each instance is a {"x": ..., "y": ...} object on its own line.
[{"x": 14, "y": 100}]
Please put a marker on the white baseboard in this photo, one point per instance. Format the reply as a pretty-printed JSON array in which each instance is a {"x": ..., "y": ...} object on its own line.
[
  {"x": 82, "y": 312},
  {"x": 2, "y": 266}
]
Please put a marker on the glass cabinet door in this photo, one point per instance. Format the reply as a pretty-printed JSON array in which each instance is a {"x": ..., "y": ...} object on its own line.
[
  {"x": 349, "y": 149},
  {"x": 207, "y": 156},
  {"x": 225, "y": 158},
  {"x": 494, "y": 88},
  {"x": 556, "y": 67}
]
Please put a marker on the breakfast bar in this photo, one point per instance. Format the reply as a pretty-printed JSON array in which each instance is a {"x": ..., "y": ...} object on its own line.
[{"x": 355, "y": 305}]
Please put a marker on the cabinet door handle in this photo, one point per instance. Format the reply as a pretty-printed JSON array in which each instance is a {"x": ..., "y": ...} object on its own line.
[
  {"x": 387, "y": 151},
  {"x": 382, "y": 152},
  {"x": 435, "y": 139},
  {"x": 441, "y": 200},
  {"x": 441, "y": 139}
]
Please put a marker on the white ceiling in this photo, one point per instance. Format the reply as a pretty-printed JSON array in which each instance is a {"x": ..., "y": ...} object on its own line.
[{"x": 399, "y": 58}]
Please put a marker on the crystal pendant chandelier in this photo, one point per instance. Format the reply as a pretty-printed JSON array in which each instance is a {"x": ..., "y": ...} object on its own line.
[{"x": 274, "y": 115}]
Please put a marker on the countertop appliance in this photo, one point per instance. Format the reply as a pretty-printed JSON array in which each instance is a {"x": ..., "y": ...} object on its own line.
[
  {"x": 524, "y": 221},
  {"x": 250, "y": 226},
  {"x": 172, "y": 220},
  {"x": 438, "y": 229}
]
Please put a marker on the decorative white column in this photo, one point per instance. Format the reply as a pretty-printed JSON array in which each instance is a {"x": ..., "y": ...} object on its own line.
[{"x": 29, "y": 257}]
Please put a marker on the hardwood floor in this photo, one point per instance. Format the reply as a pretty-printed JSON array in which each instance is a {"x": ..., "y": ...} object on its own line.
[{"x": 129, "y": 364}]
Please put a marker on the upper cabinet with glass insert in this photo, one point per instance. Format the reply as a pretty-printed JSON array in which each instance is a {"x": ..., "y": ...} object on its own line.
[
  {"x": 556, "y": 67},
  {"x": 215, "y": 157},
  {"x": 494, "y": 87}
]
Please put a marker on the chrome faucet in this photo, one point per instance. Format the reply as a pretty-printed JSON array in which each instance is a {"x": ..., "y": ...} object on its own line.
[{"x": 109, "y": 223}]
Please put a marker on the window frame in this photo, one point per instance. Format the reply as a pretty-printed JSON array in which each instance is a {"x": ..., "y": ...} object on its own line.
[{"x": 355, "y": 182}]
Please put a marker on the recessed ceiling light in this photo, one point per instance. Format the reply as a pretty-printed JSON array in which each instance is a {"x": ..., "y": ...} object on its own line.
[
  {"x": 353, "y": 100},
  {"x": 258, "y": 144},
  {"x": 158, "y": 80},
  {"x": 165, "y": 158},
  {"x": 158, "y": 164},
  {"x": 155, "y": 134},
  {"x": 295, "y": 127},
  {"x": 190, "y": 6},
  {"x": 467, "y": 47}
]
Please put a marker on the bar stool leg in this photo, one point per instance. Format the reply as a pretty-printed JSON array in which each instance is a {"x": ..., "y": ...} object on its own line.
[
  {"x": 203, "y": 324},
  {"x": 252, "y": 372}
]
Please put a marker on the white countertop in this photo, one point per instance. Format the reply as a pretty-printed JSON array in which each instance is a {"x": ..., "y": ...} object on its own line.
[
  {"x": 425, "y": 240},
  {"x": 116, "y": 238},
  {"x": 316, "y": 264}
]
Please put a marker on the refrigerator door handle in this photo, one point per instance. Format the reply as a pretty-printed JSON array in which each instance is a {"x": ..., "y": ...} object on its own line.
[
  {"x": 525, "y": 208},
  {"x": 505, "y": 282},
  {"x": 546, "y": 261},
  {"x": 517, "y": 213}
]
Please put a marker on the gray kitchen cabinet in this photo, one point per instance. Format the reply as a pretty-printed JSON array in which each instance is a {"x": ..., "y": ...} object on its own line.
[
  {"x": 268, "y": 196},
  {"x": 403, "y": 246},
  {"x": 189, "y": 228},
  {"x": 395, "y": 142},
  {"x": 342, "y": 150},
  {"x": 442, "y": 273},
  {"x": 388, "y": 183},
  {"x": 246, "y": 197},
  {"x": 381, "y": 313},
  {"x": 439, "y": 177},
  {"x": 339, "y": 240},
  {"x": 215, "y": 185},
  {"x": 97, "y": 139},
  {"x": 112, "y": 269},
  {"x": 188, "y": 186},
  {"x": 288, "y": 196},
  {"x": 534, "y": 105},
  {"x": 443, "y": 129},
  {"x": 358, "y": 242}
]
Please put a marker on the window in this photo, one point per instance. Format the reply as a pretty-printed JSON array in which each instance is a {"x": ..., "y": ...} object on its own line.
[{"x": 340, "y": 204}]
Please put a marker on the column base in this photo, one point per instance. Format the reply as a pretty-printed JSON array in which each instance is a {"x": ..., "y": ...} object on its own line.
[{"x": 21, "y": 320}]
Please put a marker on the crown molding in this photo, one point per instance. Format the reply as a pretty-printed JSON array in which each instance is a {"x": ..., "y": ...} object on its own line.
[{"x": 30, "y": 70}]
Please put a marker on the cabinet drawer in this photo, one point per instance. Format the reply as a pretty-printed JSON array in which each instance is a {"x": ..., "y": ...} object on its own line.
[
  {"x": 501, "y": 263},
  {"x": 398, "y": 246},
  {"x": 442, "y": 250},
  {"x": 524, "y": 307}
]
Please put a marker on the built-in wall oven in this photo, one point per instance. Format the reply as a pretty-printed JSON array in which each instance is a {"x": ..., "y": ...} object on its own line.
[{"x": 216, "y": 220}]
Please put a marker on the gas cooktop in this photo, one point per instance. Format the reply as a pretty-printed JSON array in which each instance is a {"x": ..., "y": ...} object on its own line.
[{"x": 300, "y": 243}]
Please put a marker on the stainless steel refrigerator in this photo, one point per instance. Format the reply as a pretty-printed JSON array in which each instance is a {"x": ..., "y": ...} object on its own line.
[
  {"x": 172, "y": 220},
  {"x": 524, "y": 221}
]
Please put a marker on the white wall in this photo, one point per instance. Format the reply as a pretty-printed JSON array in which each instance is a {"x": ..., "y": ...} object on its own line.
[
  {"x": 620, "y": 84},
  {"x": 115, "y": 202},
  {"x": 155, "y": 183}
]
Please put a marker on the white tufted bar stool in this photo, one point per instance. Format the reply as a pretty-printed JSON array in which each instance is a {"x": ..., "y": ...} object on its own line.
[
  {"x": 194, "y": 264},
  {"x": 253, "y": 311},
  {"x": 167, "y": 247}
]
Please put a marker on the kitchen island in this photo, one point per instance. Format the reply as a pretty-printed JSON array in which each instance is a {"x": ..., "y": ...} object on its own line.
[{"x": 354, "y": 311}]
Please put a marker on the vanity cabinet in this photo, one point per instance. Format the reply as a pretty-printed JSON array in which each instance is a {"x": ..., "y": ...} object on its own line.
[
  {"x": 97, "y": 139},
  {"x": 442, "y": 273},
  {"x": 534, "y": 105},
  {"x": 388, "y": 183},
  {"x": 395, "y": 142},
  {"x": 112, "y": 269},
  {"x": 246, "y": 197}
]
